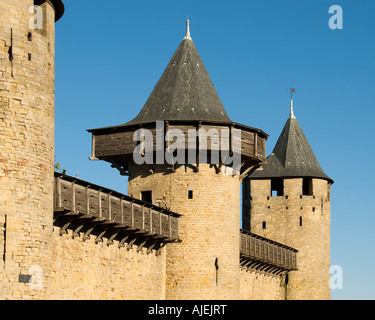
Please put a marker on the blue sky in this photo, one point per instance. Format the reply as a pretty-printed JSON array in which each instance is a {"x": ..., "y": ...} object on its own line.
[{"x": 110, "y": 55}]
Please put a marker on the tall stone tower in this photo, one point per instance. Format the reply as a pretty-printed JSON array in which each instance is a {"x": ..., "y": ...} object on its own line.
[
  {"x": 288, "y": 200},
  {"x": 27, "y": 51},
  {"x": 184, "y": 116}
]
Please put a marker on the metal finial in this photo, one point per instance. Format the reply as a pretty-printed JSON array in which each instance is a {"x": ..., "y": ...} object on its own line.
[
  {"x": 187, "y": 30},
  {"x": 291, "y": 109},
  {"x": 292, "y": 90}
]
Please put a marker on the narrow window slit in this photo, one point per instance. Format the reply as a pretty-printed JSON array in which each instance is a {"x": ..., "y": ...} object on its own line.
[
  {"x": 4, "y": 238},
  {"x": 217, "y": 271},
  {"x": 191, "y": 194}
]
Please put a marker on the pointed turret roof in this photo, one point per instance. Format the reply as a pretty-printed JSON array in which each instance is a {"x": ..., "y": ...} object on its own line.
[
  {"x": 292, "y": 156},
  {"x": 184, "y": 91}
]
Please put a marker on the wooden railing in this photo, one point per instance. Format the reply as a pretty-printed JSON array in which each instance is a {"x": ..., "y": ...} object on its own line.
[
  {"x": 77, "y": 198},
  {"x": 264, "y": 253}
]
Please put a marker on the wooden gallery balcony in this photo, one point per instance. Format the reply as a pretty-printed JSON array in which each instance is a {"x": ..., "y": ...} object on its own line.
[
  {"x": 88, "y": 209},
  {"x": 264, "y": 255},
  {"x": 116, "y": 145}
]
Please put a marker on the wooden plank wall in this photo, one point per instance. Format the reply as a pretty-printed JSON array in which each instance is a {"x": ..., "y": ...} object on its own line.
[
  {"x": 268, "y": 252},
  {"x": 72, "y": 196}
]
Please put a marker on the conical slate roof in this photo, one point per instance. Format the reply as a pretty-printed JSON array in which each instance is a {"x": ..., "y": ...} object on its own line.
[
  {"x": 184, "y": 91},
  {"x": 292, "y": 156}
]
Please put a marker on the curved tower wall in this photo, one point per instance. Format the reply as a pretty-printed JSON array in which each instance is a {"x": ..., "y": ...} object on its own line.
[
  {"x": 205, "y": 265},
  {"x": 27, "y": 56},
  {"x": 299, "y": 221}
]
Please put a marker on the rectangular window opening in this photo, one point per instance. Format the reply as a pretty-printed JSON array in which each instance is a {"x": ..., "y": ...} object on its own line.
[
  {"x": 147, "y": 196},
  {"x": 300, "y": 221},
  {"x": 191, "y": 194},
  {"x": 264, "y": 224},
  {"x": 307, "y": 187},
  {"x": 277, "y": 187}
]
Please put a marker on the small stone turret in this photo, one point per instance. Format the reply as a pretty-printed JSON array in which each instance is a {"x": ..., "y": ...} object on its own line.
[{"x": 288, "y": 200}]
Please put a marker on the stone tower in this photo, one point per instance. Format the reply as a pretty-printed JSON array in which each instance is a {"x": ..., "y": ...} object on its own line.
[
  {"x": 182, "y": 117},
  {"x": 27, "y": 51},
  {"x": 288, "y": 200}
]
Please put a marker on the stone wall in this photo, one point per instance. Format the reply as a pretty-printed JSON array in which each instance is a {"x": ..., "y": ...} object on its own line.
[
  {"x": 261, "y": 286},
  {"x": 26, "y": 146},
  {"x": 89, "y": 271}
]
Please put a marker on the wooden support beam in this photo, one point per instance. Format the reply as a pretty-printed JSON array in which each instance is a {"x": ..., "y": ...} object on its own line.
[
  {"x": 77, "y": 230},
  {"x": 245, "y": 173},
  {"x": 109, "y": 206},
  {"x": 73, "y": 196},
  {"x": 151, "y": 246},
  {"x": 112, "y": 238},
  {"x": 64, "y": 228},
  {"x": 58, "y": 190},
  {"x": 231, "y": 141},
  {"x": 122, "y": 209},
  {"x": 100, "y": 204},
  {"x": 87, "y": 195},
  {"x": 86, "y": 236},
  {"x": 122, "y": 242},
  {"x": 130, "y": 244},
  {"x": 158, "y": 252},
  {"x": 132, "y": 214},
  {"x": 219, "y": 167},
  {"x": 143, "y": 217},
  {"x": 140, "y": 247},
  {"x": 119, "y": 168},
  {"x": 99, "y": 238}
]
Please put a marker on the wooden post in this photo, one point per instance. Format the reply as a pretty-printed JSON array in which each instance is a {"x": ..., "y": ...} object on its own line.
[
  {"x": 122, "y": 210},
  {"x": 143, "y": 217},
  {"x": 151, "y": 214},
  {"x": 100, "y": 204},
  {"x": 109, "y": 207},
  {"x": 132, "y": 214},
  {"x": 87, "y": 191},
  {"x": 58, "y": 187},
  {"x": 73, "y": 196},
  {"x": 231, "y": 141}
]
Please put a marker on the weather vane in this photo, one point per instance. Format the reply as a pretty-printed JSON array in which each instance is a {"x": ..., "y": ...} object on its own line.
[{"x": 291, "y": 90}]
